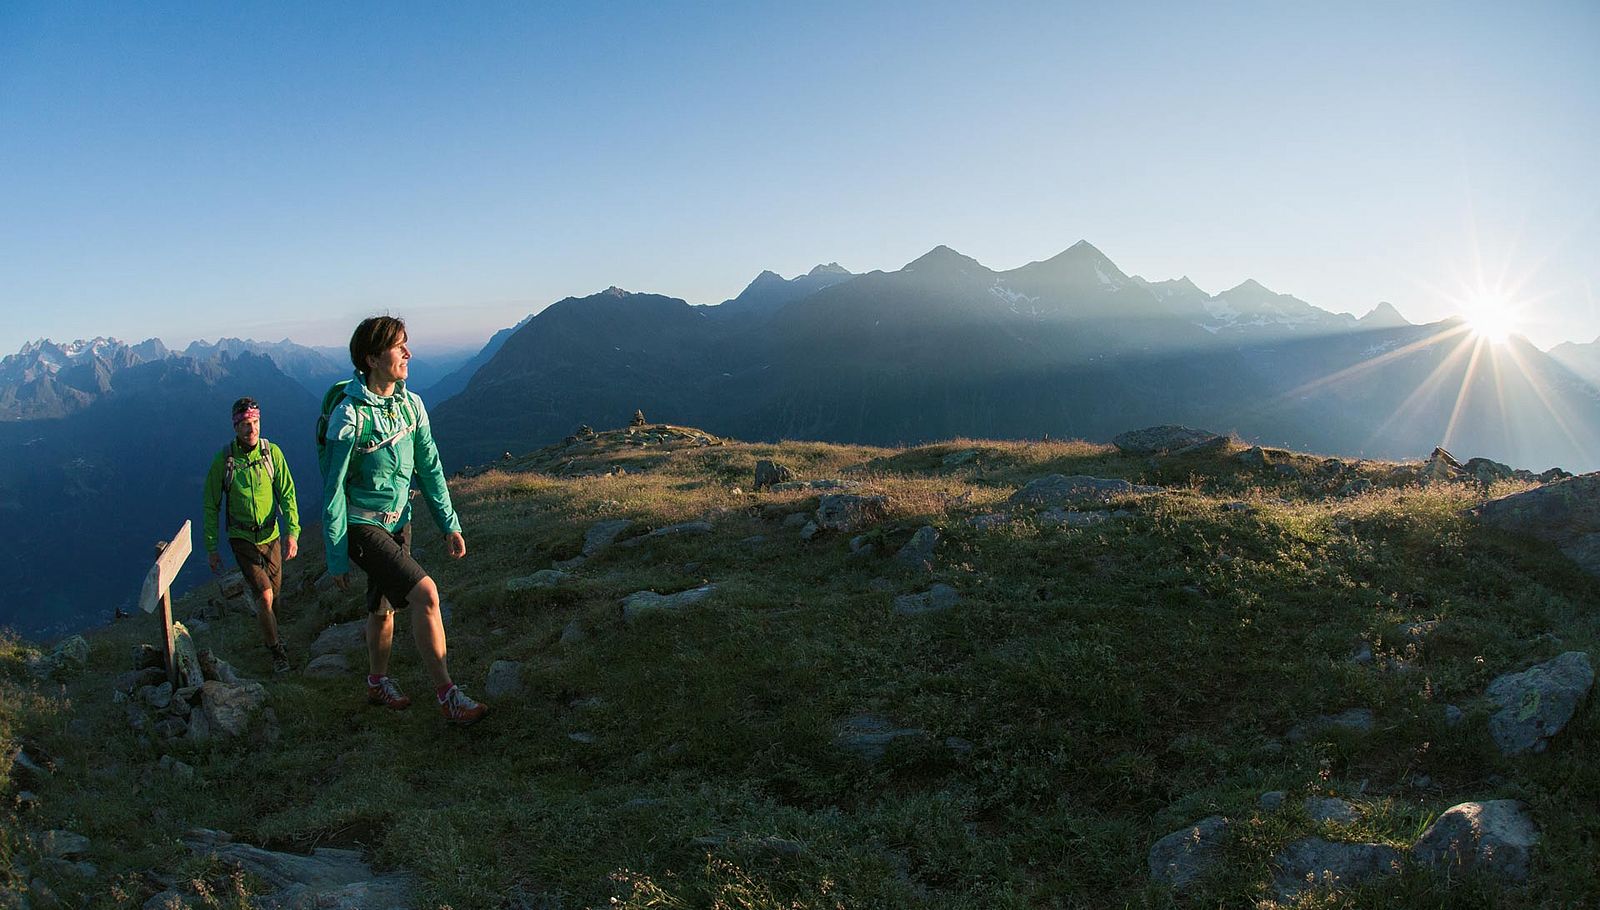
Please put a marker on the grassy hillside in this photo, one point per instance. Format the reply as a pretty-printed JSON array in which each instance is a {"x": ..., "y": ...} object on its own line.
[{"x": 1095, "y": 689}]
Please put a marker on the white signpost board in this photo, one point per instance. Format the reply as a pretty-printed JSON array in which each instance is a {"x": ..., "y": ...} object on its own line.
[{"x": 157, "y": 584}]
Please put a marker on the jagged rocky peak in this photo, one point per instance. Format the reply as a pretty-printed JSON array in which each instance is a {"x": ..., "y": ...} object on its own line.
[
  {"x": 831, "y": 268},
  {"x": 614, "y": 291},
  {"x": 1384, "y": 315},
  {"x": 942, "y": 258},
  {"x": 1251, "y": 289}
]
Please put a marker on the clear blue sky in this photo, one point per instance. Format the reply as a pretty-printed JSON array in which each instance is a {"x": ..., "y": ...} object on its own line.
[{"x": 194, "y": 169}]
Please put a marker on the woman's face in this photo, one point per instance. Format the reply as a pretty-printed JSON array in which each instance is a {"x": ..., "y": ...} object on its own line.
[{"x": 390, "y": 365}]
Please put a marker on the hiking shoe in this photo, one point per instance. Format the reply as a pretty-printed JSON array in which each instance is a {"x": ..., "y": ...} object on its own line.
[
  {"x": 280, "y": 658},
  {"x": 388, "y": 694},
  {"x": 458, "y": 709}
]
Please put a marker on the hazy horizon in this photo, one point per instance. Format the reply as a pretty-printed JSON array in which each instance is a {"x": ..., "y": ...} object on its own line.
[{"x": 283, "y": 170}]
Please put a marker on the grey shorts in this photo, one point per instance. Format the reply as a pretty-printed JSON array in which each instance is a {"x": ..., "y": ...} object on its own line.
[{"x": 386, "y": 558}]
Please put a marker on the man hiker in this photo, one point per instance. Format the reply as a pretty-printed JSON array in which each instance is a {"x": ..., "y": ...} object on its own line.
[
  {"x": 249, "y": 482},
  {"x": 373, "y": 438}
]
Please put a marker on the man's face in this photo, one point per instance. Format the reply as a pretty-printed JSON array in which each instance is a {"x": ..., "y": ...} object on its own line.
[{"x": 249, "y": 431}]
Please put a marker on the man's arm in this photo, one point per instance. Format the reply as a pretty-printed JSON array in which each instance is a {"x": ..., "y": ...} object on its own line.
[
  {"x": 286, "y": 499},
  {"x": 211, "y": 497}
]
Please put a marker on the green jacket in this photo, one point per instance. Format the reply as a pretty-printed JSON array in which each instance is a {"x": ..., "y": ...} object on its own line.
[
  {"x": 253, "y": 499},
  {"x": 373, "y": 447}
]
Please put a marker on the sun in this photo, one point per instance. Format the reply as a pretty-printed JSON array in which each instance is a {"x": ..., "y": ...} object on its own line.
[{"x": 1492, "y": 319}]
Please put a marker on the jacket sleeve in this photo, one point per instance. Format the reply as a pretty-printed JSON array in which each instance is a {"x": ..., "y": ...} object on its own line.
[
  {"x": 340, "y": 442},
  {"x": 285, "y": 491},
  {"x": 212, "y": 501},
  {"x": 430, "y": 471}
]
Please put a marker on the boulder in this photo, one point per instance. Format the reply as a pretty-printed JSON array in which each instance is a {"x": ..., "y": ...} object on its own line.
[
  {"x": 328, "y": 666},
  {"x": 1272, "y": 800},
  {"x": 540, "y": 580},
  {"x": 505, "y": 678},
  {"x": 957, "y": 459},
  {"x": 810, "y": 531},
  {"x": 327, "y": 878},
  {"x": 770, "y": 473},
  {"x": 1061, "y": 490},
  {"x": 1330, "y": 809},
  {"x": 1182, "y": 857},
  {"x": 228, "y": 709},
  {"x": 66, "y": 659},
  {"x": 603, "y": 534},
  {"x": 148, "y": 657},
  {"x": 1158, "y": 440},
  {"x": 1441, "y": 467},
  {"x": 868, "y": 736},
  {"x": 1317, "y": 863},
  {"x": 936, "y": 599},
  {"x": 341, "y": 639},
  {"x": 1565, "y": 513},
  {"x": 642, "y": 602},
  {"x": 918, "y": 552},
  {"x": 1253, "y": 457},
  {"x": 1536, "y": 704},
  {"x": 850, "y": 512},
  {"x": 573, "y": 633},
  {"x": 1486, "y": 472},
  {"x": 1494, "y": 836}
]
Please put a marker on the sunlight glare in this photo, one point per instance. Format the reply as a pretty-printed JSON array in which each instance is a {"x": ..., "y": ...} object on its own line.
[{"x": 1493, "y": 319}]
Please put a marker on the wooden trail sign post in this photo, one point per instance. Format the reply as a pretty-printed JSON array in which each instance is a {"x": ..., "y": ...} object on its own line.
[{"x": 157, "y": 586}]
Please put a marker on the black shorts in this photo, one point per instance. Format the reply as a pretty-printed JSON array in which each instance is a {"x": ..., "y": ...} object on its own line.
[
  {"x": 386, "y": 558},
  {"x": 260, "y": 564}
]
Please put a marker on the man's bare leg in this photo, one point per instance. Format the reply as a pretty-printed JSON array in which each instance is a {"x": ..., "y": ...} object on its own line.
[{"x": 266, "y": 619}]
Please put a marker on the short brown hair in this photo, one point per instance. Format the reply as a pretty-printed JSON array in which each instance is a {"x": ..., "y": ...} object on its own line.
[{"x": 375, "y": 335}]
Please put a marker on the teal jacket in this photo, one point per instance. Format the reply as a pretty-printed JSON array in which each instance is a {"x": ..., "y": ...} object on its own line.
[
  {"x": 253, "y": 499},
  {"x": 374, "y": 446}
]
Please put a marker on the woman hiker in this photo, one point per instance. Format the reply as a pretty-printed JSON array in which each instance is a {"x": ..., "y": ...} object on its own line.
[
  {"x": 376, "y": 437},
  {"x": 249, "y": 482}
]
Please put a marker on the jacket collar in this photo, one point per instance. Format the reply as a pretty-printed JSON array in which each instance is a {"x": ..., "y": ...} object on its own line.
[{"x": 358, "y": 390}]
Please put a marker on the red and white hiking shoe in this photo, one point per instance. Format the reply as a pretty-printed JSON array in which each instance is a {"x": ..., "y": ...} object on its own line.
[
  {"x": 458, "y": 709},
  {"x": 387, "y": 694}
]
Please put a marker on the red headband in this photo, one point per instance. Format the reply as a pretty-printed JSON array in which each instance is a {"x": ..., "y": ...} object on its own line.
[{"x": 246, "y": 414}]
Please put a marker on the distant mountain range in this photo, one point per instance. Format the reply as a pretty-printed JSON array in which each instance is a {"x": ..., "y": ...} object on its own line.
[
  {"x": 1070, "y": 346},
  {"x": 85, "y": 496},
  {"x": 103, "y": 445}
]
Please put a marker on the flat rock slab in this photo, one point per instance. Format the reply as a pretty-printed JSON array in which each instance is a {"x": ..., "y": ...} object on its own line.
[
  {"x": 602, "y": 534},
  {"x": 325, "y": 879},
  {"x": 642, "y": 602},
  {"x": 1565, "y": 513},
  {"x": 1062, "y": 490},
  {"x": 60, "y": 844},
  {"x": 674, "y": 530},
  {"x": 1359, "y": 720},
  {"x": 328, "y": 666},
  {"x": 342, "y": 638},
  {"x": 1317, "y": 863},
  {"x": 1182, "y": 857},
  {"x": 1157, "y": 440},
  {"x": 540, "y": 580},
  {"x": 1537, "y": 703},
  {"x": 933, "y": 600},
  {"x": 868, "y": 736},
  {"x": 1496, "y": 836},
  {"x": 825, "y": 484}
]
